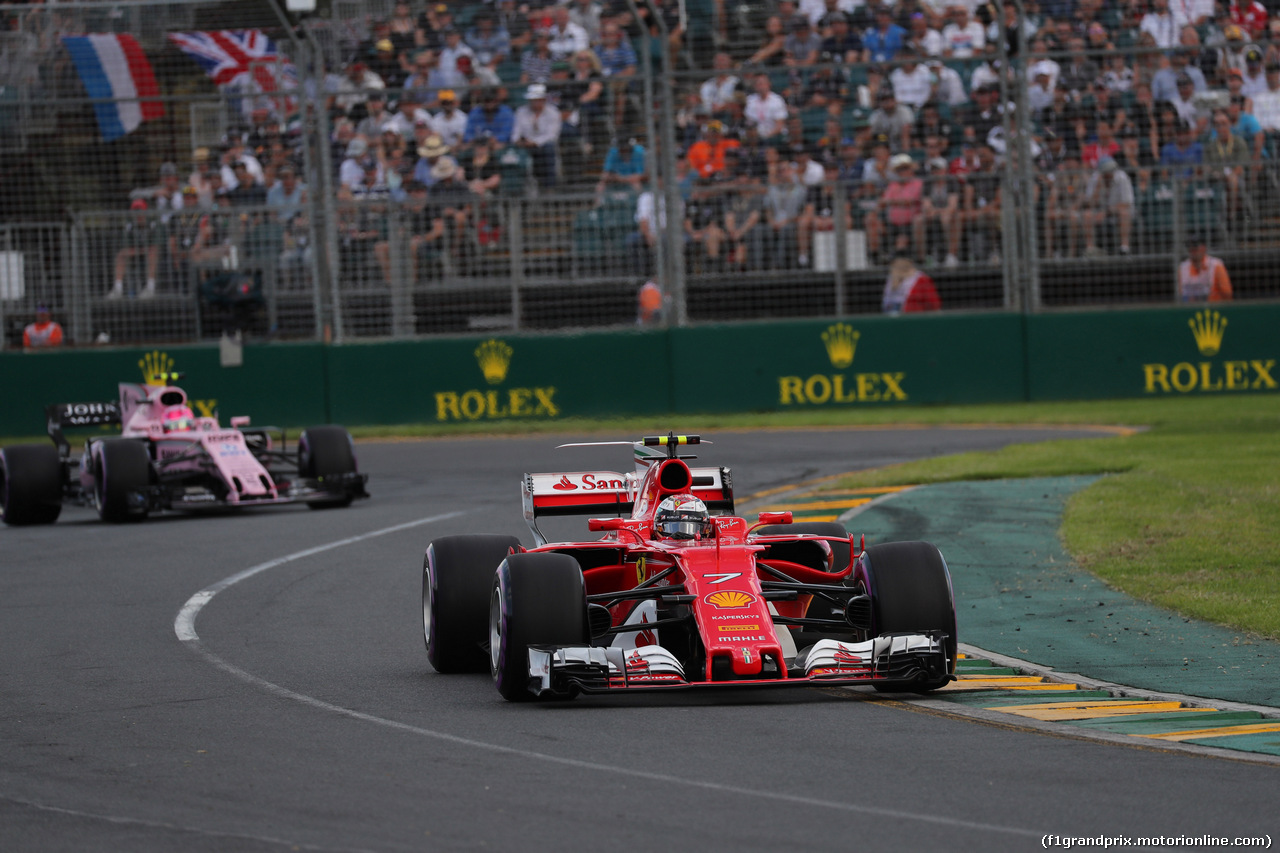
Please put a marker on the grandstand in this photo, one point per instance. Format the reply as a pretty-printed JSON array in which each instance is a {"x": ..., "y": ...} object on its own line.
[{"x": 177, "y": 170}]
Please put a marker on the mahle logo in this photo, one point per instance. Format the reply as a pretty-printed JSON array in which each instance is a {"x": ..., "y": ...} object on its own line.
[
  {"x": 494, "y": 358},
  {"x": 1208, "y": 329},
  {"x": 841, "y": 344}
]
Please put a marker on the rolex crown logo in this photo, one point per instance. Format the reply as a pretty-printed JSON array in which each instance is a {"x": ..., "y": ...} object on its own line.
[
  {"x": 840, "y": 341},
  {"x": 494, "y": 357},
  {"x": 1208, "y": 327},
  {"x": 157, "y": 368}
]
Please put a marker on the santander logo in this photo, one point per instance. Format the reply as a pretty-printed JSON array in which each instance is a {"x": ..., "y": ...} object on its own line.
[{"x": 565, "y": 485}]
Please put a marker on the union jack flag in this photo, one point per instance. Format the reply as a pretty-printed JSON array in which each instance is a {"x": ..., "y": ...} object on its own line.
[{"x": 243, "y": 60}]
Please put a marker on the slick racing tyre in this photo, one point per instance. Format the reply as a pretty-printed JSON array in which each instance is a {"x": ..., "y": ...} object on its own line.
[
  {"x": 325, "y": 451},
  {"x": 30, "y": 484},
  {"x": 537, "y": 599},
  {"x": 457, "y": 576},
  {"x": 807, "y": 553},
  {"x": 121, "y": 478},
  {"x": 910, "y": 592}
]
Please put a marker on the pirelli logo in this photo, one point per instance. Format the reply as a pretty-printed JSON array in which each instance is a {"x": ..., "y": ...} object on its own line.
[{"x": 736, "y": 627}]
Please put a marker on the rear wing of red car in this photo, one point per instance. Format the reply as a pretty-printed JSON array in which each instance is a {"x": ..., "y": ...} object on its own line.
[
  {"x": 61, "y": 415},
  {"x": 608, "y": 493}
]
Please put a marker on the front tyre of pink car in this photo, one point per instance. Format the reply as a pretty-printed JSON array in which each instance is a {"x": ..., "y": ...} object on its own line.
[
  {"x": 325, "y": 451},
  {"x": 121, "y": 479}
]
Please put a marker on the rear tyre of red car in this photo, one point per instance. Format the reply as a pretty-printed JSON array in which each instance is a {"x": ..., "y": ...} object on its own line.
[
  {"x": 910, "y": 592},
  {"x": 537, "y": 599},
  {"x": 122, "y": 477},
  {"x": 30, "y": 484},
  {"x": 325, "y": 451},
  {"x": 457, "y": 577}
]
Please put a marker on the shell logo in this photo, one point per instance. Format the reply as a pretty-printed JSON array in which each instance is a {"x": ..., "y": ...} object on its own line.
[{"x": 730, "y": 599}]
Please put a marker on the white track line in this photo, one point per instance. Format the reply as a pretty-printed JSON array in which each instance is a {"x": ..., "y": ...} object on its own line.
[{"x": 185, "y": 628}]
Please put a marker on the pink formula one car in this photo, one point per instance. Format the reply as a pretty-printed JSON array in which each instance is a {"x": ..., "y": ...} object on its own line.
[
  {"x": 679, "y": 593},
  {"x": 166, "y": 458}
]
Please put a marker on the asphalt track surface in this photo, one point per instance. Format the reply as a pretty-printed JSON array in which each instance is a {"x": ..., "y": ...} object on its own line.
[{"x": 298, "y": 710}]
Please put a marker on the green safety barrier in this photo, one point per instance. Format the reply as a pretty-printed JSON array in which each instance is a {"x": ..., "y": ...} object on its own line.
[{"x": 793, "y": 365}]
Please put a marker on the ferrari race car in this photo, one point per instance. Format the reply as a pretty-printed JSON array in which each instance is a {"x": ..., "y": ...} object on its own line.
[
  {"x": 166, "y": 458},
  {"x": 678, "y": 592}
]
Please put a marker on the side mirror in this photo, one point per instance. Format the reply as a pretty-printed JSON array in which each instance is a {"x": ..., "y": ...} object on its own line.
[
  {"x": 775, "y": 518},
  {"x": 599, "y": 525},
  {"x": 240, "y": 421}
]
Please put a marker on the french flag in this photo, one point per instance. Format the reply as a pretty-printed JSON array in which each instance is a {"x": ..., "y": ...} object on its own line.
[{"x": 118, "y": 78}]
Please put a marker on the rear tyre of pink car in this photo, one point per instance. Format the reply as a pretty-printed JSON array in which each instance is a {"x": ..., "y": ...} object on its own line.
[
  {"x": 325, "y": 451},
  {"x": 121, "y": 480},
  {"x": 31, "y": 484},
  {"x": 457, "y": 574},
  {"x": 910, "y": 592},
  {"x": 537, "y": 599}
]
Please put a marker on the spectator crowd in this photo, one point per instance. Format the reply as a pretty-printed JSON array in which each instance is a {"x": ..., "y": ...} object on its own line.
[{"x": 896, "y": 120}]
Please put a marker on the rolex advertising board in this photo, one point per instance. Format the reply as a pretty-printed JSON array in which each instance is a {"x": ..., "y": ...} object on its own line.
[
  {"x": 857, "y": 361},
  {"x": 1212, "y": 349},
  {"x": 499, "y": 378}
]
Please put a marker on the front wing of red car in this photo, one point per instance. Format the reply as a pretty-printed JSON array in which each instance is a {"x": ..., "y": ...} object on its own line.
[{"x": 903, "y": 659}]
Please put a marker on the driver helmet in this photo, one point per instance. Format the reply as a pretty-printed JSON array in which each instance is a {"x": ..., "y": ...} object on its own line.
[
  {"x": 179, "y": 419},
  {"x": 682, "y": 517}
]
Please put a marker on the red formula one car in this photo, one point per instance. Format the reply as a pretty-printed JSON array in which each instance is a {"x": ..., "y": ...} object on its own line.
[
  {"x": 678, "y": 592},
  {"x": 166, "y": 458}
]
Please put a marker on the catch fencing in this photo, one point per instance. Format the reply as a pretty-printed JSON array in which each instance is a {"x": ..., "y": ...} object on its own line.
[{"x": 120, "y": 215}]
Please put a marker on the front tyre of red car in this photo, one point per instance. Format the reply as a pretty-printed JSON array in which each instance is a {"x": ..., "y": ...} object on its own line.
[
  {"x": 325, "y": 451},
  {"x": 121, "y": 480},
  {"x": 457, "y": 575},
  {"x": 30, "y": 484},
  {"x": 910, "y": 593},
  {"x": 537, "y": 599}
]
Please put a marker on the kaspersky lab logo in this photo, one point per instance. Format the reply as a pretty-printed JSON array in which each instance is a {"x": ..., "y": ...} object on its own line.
[
  {"x": 494, "y": 359},
  {"x": 840, "y": 341},
  {"x": 1208, "y": 330}
]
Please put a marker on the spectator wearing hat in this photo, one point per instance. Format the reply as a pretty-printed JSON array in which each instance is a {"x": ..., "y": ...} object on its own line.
[
  {"x": 488, "y": 39},
  {"x": 429, "y": 153},
  {"x": 1231, "y": 55},
  {"x": 706, "y": 156},
  {"x": 1202, "y": 277},
  {"x": 385, "y": 61},
  {"x": 450, "y": 124},
  {"x": 893, "y": 227},
  {"x": 491, "y": 116},
  {"x": 1253, "y": 79},
  {"x": 449, "y": 210},
  {"x": 884, "y": 38},
  {"x": 537, "y": 129},
  {"x": 567, "y": 37},
  {"x": 907, "y": 289},
  {"x": 765, "y": 109},
  {"x": 44, "y": 332},
  {"x": 234, "y": 151},
  {"x": 142, "y": 238},
  {"x": 1108, "y": 201},
  {"x": 842, "y": 42}
]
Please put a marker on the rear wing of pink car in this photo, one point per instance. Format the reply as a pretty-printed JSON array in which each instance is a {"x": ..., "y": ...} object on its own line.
[{"x": 61, "y": 415}]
